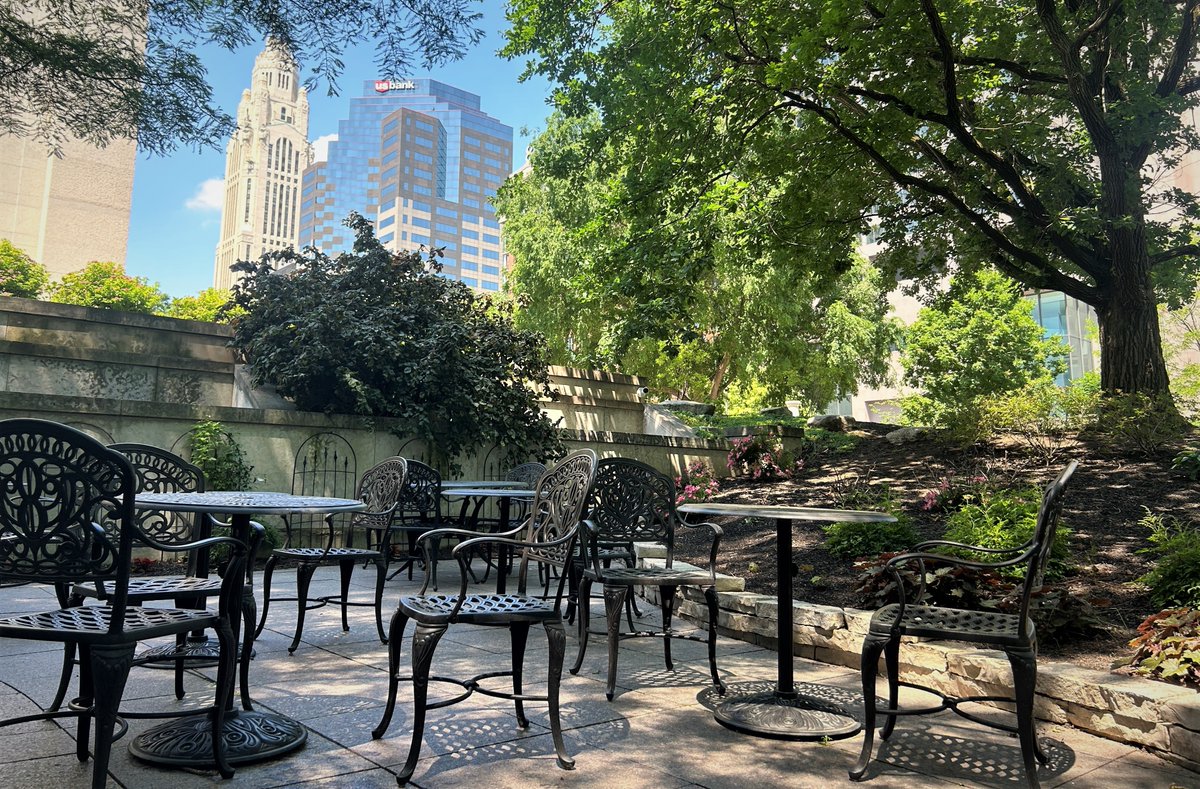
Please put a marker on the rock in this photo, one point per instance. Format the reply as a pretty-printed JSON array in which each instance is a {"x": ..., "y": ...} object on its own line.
[
  {"x": 779, "y": 410},
  {"x": 690, "y": 407},
  {"x": 831, "y": 422},
  {"x": 907, "y": 435}
]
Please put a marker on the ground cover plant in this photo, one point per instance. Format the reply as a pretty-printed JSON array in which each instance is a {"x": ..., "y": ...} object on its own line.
[{"x": 1093, "y": 609}]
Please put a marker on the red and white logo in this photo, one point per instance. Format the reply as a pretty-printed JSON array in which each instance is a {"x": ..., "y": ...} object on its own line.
[{"x": 384, "y": 85}]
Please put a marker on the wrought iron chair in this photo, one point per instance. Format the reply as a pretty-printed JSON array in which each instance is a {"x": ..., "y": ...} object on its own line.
[
  {"x": 1013, "y": 633},
  {"x": 419, "y": 511},
  {"x": 381, "y": 488},
  {"x": 631, "y": 502},
  {"x": 161, "y": 471},
  {"x": 527, "y": 474},
  {"x": 54, "y": 481},
  {"x": 546, "y": 537}
]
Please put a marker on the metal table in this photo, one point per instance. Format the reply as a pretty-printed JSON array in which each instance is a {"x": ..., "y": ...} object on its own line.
[
  {"x": 250, "y": 735},
  {"x": 504, "y": 497},
  {"x": 784, "y": 713},
  {"x": 483, "y": 483}
]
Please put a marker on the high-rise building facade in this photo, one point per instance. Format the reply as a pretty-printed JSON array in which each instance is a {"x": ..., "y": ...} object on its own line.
[
  {"x": 264, "y": 161},
  {"x": 420, "y": 159}
]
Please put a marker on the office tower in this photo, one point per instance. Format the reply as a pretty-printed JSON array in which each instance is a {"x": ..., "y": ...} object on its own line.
[
  {"x": 420, "y": 159},
  {"x": 263, "y": 162},
  {"x": 66, "y": 212}
]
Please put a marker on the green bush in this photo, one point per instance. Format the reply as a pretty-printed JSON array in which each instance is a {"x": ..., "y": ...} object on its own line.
[
  {"x": 850, "y": 540},
  {"x": 1187, "y": 463},
  {"x": 1040, "y": 413},
  {"x": 220, "y": 457},
  {"x": 1005, "y": 519},
  {"x": 1138, "y": 423},
  {"x": 1175, "y": 577},
  {"x": 105, "y": 285},
  {"x": 1167, "y": 647},
  {"x": 211, "y": 305},
  {"x": 20, "y": 275}
]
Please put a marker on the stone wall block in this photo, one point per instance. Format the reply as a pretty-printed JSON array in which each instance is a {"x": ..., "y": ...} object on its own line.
[{"x": 1183, "y": 710}]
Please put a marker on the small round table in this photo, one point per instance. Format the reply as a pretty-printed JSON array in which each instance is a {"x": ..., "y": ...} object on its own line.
[
  {"x": 783, "y": 713},
  {"x": 249, "y": 735}
]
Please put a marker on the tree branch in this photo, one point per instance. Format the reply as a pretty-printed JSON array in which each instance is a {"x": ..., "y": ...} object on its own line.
[{"x": 1181, "y": 55}]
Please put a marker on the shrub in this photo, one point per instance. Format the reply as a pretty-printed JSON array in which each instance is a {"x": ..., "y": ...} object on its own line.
[
  {"x": 1138, "y": 423},
  {"x": 761, "y": 456},
  {"x": 105, "y": 285},
  {"x": 20, "y": 275},
  {"x": 1175, "y": 577},
  {"x": 849, "y": 540},
  {"x": 697, "y": 483},
  {"x": 1040, "y": 413},
  {"x": 211, "y": 305},
  {"x": 1005, "y": 519},
  {"x": 953, "y": 491},
  {"x": 220, "y": 457},
  {"x": 1167, "y": 647},
  {"x": 1187, "y": 463}
]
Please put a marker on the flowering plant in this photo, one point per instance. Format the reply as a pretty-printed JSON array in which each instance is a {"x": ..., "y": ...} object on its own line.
[
  {"x": 953, "y": 491},
  {"x": 761, "y": 456},
  {"x": 697, "y": 483}
]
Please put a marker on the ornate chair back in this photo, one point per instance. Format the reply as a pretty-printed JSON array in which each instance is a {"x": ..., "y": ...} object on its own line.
[
  {"x": 632, "y": 502},
  {"x": 529, "y": 473},
  {"x": 1043, "y": 538},
  {"x": 422, "y": 495},
  {"x": 554, "y": 515},
  {"x": 381, "y": 488},
  {"x": 161, "y": 471}
]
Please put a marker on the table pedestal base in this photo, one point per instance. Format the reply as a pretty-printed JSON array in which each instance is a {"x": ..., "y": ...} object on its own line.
[
  {"x": 812, "y": 713},
  {"x": 197, "y": 652},
  {"x": 249, "y": 736}
]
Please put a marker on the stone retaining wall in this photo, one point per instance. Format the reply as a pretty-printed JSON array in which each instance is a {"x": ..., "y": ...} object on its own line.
[{"x": 1158, "y": 716}]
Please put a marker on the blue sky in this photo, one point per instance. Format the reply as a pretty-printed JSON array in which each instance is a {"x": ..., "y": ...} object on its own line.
[{"x": 176, "y": 214}]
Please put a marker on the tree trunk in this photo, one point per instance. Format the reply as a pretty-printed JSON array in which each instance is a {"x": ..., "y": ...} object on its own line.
[
  {"x": 1131, "y": 352},
  {"x": 718, "y": 379}
]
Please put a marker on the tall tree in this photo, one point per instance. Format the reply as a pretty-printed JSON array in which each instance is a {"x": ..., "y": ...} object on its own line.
[
  {"x": 697, "y": 299},
  {"x": 1029, "y": 134},
  {"x": 101, "y": 70}
]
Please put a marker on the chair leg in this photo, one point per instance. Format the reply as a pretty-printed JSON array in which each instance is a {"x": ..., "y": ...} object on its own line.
[
  {"x": 304, "y": 574},
  {"x": 614, "y": 602},
  {"x": 584, "y": 596},
  {"x": 226, "y": 676},
  {"x": 64, "y": 679},
  {"x": 347, "y": 570},
  {"x": 425, "y": 641},
  {"x": 872, "y": 646},
  {"x": 395, "y": 639},
  {"x": 266, "y": 584},
  {"x": 110, "y": 669},
  {"x": 557, "y": 640},
  {"x": 1024, "y": 667},
  {"x": 246, "y": 644},
  {"x": 891, "y": 663},
  {"x": 667, "y": 603},
  {"x": 180, "y": 645},
  {"x": 710, "y": 598},
  {"x": 518, "y": 633},
  {"x": 380, "y": 576}
]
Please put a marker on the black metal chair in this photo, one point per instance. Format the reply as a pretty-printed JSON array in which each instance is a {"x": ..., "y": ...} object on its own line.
[
  {"x": 54, "y": 483},
  {"x": 1013, "y": 633},
  {"x": 419, "y": 511},
  {"x": 528, "y": 473},
  {"x": 546, "y": 537},
  {"x": 631, "y": 502},
  {"x": 381, "y": 488},
  {"x": 161, "y": 471}
]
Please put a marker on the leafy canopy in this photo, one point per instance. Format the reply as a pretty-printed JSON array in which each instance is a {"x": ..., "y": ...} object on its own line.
[
  {"x": 1027, "y": 136},
  {"x": 211, "y": 304},
  {"x": 106, "y": 70},
  {"x": 105, "y": 285},
  {"x": 378, "y": 333},
  {"x": 20, "y": 275}
]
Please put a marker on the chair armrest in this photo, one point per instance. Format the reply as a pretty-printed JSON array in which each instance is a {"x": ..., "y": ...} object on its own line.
[
  {"x": 977, "y": 548},
  {"x": 715, "y": 533},
  {"x": 922, "y": 557}
]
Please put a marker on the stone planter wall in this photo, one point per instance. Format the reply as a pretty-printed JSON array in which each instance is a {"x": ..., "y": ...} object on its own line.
[{"x": 1158, "y": 716}]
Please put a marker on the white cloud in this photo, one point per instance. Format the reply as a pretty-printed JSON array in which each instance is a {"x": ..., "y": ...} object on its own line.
[
  {"x": 321, "y": 147},
  {"x": 209, "y": 196}
]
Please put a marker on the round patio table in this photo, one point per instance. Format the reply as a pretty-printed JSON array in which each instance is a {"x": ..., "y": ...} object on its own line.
[
  {"x": 784, "y": 713},
  {"x": 249, "y": 735},
  {"x": 504, "y": 496}
]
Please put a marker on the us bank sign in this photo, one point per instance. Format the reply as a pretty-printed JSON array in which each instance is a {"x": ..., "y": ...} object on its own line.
[{"x": 384, "y": 85}]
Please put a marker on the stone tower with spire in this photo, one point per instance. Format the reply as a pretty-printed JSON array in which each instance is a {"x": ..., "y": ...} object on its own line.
[{"x": 263, "y": 163}]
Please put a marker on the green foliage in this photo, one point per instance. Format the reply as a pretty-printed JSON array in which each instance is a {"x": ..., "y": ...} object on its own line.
[
  {"x": 211, "y": 305},
  {"x": 219, "y": 456},
  {"x": 376, "y": 333},
  {"x": 929, "y": 123},
  {"x": 762, "y": 457},
  {"x": 1006, "y": 519},
  {"x": 1187, "y": 463},
  {"x": 1167, "y": 647},
  {"x": 134, "y": 71},
  {"x": 697, "y": 483},
  {"x": 20, "y": 275},
  {"x": 977, "y": 339},
  {"x": 1041, "y": 413},
  {"x": 105, "y": 285},
  {"x": 1138, "y": 423},
  {"x": 850, "y": 540},
  {"x": 1174, "y": 579}
]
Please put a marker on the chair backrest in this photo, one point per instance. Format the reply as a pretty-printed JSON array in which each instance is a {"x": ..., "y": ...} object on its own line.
[
  {"x": 1043, "y": 535},
  {"x": 54, "y": 481},
  {"x": 381, "y": 489},
  {"x": 632, "y": 502},
  {"x": 529, "y": 473},
  {"x": 555, "y": 512},
  {"x": 422, "y": 495},
  {"x": 162, "y": 471}
]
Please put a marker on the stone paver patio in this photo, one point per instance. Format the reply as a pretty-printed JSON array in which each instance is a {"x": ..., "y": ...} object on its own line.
[{"x": 658, "y": 731}]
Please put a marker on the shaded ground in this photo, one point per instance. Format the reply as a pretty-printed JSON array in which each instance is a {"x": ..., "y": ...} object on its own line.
[{"x": 1103, "y": 504}]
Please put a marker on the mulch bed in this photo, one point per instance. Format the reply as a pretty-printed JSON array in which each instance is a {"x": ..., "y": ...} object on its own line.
[{"x": 1103, "y": 504}]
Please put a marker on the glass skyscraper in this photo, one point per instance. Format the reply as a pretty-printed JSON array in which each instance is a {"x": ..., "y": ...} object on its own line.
[{"x": 420, "y": 159}]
